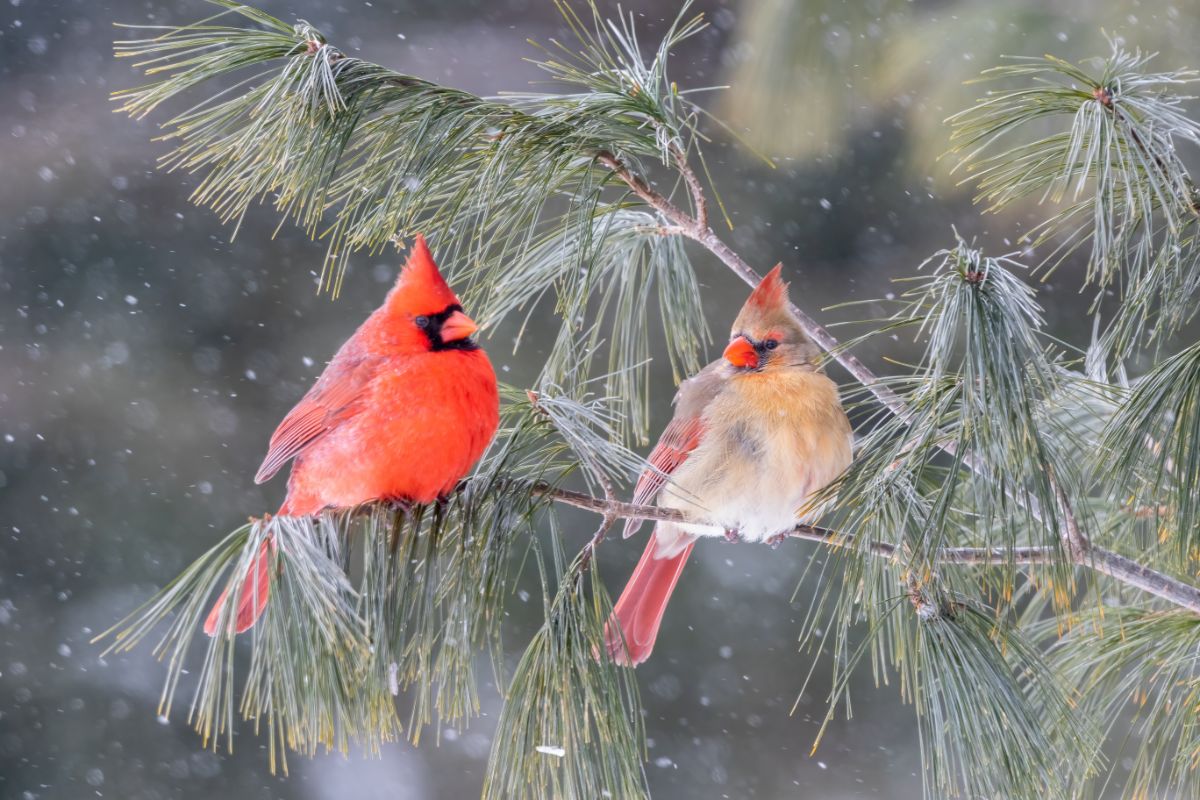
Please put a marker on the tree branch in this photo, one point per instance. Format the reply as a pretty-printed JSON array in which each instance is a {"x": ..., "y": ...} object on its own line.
[
  {"x": 1073, "y": 539},
  {"x": 1097, "y": 559},
  {"x": 1129, "y": 572},
  {"x": 1076, "y": 544},
  {"x": 811, "y": 533},
  {"x": 609, "y": 516}
]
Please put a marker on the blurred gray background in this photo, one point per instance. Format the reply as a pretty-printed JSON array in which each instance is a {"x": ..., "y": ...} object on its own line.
[{"x": 145, "y": 359}]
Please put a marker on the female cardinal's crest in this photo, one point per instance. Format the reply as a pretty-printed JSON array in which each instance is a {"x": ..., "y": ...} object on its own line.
[
  {"x": 421, "y": 289},
  {"x": 771, "y": 292},
  {"x": 766, "y": 312}
]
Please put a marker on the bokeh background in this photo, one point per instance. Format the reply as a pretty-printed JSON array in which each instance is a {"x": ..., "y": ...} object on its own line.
[{"x": 145, "y": 358}]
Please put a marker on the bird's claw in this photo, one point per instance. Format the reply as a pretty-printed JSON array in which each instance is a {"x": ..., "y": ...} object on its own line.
[
  {"x": 733, "y": 535},
  {"x": 776, "y": 540}
]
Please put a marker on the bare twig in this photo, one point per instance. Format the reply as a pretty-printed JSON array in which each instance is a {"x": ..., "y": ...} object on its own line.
[
  {"x": 608, "y": 517},
  {"x": 695, "y": 189},
  {"x": 1076, "y": 544},
  {"x": 1073, "y": 539},
  {"x": 1131, "y": 573}
]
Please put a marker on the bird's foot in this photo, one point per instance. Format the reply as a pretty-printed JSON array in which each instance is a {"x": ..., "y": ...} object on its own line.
[
  {"x": 733, "y": 535},
  {"x": 401, "y": 506},
  {"x": 776, "y": 540}
]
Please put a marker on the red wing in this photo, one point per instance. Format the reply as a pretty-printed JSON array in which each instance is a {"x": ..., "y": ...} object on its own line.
[
  {"x": 332, "y": 399},
  {"x": 681, "y": 436},
  {"x": 677, "y": 442}
]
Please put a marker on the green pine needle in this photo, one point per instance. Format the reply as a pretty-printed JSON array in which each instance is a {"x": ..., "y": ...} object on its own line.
[
  {"x": 327, "y": 653},
  {"x": 571, "y": 725},
  {"x": 1138, "y": 671},
  {"x": 1150, "y": 446},
  {"x": 1100, "y": 144}
]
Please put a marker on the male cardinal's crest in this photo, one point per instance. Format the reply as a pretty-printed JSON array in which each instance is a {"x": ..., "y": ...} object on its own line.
[
  {"x": 421, "y": 286},
  {"x": 754, "y": 435},
  {"x": 402, "y": 412}
]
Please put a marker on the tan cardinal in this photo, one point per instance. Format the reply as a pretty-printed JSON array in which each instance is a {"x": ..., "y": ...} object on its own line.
[{"x": 754, "y": 435}]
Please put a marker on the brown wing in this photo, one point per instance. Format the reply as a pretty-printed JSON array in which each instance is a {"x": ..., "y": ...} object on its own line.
[
  {"x": 332, "y": 399},
  {"x": 679, "y": 439}
]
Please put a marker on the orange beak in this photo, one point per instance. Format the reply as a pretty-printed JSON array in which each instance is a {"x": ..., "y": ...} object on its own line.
[
  {"x": 458, "y": 326},
  {"x": 741, "y": 353}
]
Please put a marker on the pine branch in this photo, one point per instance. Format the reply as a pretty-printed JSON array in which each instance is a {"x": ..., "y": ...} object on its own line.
[
  {"x": 342, "y": 96},
  {"x": 1125, "y": 193},
  {"x": 596, "y": 471},
  {"x": 994, "y": 720},
  {"x": 950, "y": 555},
  {"x": 1151, "y": 440},
  {"x": 571, "y": 725},
  {"x": 1095, "y": 558}
]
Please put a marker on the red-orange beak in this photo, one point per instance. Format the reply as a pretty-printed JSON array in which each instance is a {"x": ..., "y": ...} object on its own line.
[
  {"x": 458, "y": 326},
  {"x": 741, "y": 353}
]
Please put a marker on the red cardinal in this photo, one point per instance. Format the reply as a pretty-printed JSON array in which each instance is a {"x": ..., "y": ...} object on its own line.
[
  {"x": 402, "y": 412},
  {"x": 754, "y": 435}
]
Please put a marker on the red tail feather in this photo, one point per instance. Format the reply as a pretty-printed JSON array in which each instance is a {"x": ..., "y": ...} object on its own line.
[
  {"x": 252, "y": 597},
  {"x": 639, "y": 611}
]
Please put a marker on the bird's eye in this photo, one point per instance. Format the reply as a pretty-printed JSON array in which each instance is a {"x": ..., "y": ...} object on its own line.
[
  {"x": 771, "y": 344},
  {"x": 422, "y": 321}
]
